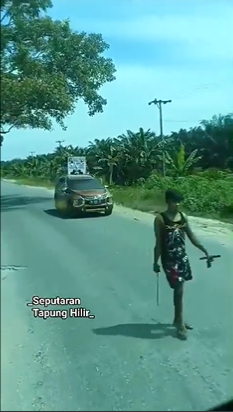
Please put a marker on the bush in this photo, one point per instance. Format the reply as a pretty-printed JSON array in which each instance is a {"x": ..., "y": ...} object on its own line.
[
  {"x": 216, "y": 174},
  {"x": 202, "y": 196}
]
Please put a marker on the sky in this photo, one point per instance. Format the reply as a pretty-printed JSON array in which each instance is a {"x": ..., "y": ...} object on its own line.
[{"x": 165, "y": 49}]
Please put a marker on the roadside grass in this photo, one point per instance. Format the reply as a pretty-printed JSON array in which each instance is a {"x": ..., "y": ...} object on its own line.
[
  {"x": 209, "y": 198},
  {"x": 146, "y": 201},
  {"x": 31, "y": 182},
  {"x": 139, "y": 198}
]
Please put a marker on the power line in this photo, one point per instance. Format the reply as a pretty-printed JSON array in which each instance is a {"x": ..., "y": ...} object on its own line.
[
  {"x": 159, "y": 104},
  {"x": 187, "y": 91},
  {"x": 181, "y": 121}
]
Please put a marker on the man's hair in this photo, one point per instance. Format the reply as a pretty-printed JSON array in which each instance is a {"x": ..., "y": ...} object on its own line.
[{"x": 173, "y": 196}]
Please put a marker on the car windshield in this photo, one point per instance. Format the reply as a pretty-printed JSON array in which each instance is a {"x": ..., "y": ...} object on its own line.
[{"x": 84, "y": 184}]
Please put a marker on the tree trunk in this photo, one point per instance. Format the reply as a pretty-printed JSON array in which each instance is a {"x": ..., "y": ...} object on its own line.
[{"x": 110, "y": 174}]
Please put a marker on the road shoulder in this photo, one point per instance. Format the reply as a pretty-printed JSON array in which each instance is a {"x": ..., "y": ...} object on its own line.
[{"x": 204, "y": 227}]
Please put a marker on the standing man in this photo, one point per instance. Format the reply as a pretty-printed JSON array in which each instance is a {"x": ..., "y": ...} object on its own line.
[{"x": 170, "y": 228}]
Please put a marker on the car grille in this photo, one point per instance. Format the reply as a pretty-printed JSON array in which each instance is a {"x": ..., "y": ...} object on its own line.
[{"x": 92, "y": 201}]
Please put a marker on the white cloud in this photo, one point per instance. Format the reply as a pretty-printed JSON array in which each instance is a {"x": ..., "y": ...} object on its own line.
[
  {"x": 200, "y": 91},
  {"x": 208, "y": 36},
  {"x": 204, "y": 31}
]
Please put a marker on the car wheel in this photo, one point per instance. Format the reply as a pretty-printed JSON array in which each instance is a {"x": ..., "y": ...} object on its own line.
[
  {"x": 69, "y": 209},
  {"x": 108, "y": 211},
  {"x": 57, "y": 205}
]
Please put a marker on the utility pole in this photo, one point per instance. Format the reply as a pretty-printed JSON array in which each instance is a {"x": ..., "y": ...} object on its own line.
[
  {"x": 32, "y": 154},
  {"x": 60, "y": 142},
  {"x": 159, "y": 104}
]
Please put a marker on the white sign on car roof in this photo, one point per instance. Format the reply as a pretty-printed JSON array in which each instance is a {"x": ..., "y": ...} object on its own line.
[{"x": 77, "y": 165}]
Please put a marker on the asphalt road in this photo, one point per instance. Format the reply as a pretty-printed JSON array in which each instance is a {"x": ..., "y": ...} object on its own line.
[{"x": 128, "y": 357}]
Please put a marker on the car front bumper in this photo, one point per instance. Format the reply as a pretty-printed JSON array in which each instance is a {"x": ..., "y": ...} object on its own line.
[{"x": 90, "y": 205}]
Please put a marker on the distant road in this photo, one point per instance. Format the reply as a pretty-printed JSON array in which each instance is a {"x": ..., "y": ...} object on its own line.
[{"x": 126, "y": 358}]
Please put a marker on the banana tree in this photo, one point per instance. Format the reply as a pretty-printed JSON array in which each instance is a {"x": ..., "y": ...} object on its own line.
[
  {"x": 178, "y": 164},
  {"x": 104, "y": 154}
]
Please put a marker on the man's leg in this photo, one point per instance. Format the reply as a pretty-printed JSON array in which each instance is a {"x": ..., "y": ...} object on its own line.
[
  {"x": 178, "y": 308},
  {"x": 178, "y": 304}
]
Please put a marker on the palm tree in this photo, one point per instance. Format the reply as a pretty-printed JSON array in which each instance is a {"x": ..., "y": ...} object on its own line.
[{"x": 136, "y": 155}]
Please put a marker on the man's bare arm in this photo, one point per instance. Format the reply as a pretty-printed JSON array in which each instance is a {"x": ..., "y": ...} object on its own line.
[
  {"x": 158, "y": 237},
  {"x": 193, "y": 239}
]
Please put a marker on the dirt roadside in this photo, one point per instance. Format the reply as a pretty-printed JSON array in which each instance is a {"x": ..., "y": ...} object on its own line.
[
  {"x": 222, "y": 232},
  {"x": 201, "y": 226}
]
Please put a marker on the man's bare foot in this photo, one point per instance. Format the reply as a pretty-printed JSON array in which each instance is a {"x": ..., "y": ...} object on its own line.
[
  {"x": 181, "y": 329},
  {"x": 182, "y": 332},
  {"x": 187, "y": 325}
]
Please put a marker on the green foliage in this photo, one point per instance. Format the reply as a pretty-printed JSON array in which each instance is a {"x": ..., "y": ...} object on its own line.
[
  {"x": 199, "y": 197},
  {"x": 213, "y": 140},
  {"x": 46, "y": 67},
  {"x": 178, "y": 164},
  {"x": 181, "y": 157}
]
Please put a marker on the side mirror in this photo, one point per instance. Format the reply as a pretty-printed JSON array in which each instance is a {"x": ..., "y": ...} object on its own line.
[{"x": 106, "y": 186}]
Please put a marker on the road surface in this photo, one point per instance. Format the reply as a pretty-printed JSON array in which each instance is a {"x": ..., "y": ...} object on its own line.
[{"x": 128, "y": 357}]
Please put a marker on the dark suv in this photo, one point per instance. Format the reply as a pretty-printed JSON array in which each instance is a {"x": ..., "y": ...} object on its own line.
[{"x": 82, "y": 193}]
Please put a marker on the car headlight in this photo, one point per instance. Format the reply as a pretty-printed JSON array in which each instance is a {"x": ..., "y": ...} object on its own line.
[{"x": 80, "y": 200}]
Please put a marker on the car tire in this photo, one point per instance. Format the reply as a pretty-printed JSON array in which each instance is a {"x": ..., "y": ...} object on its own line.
[
  {"x": 108, "y": 211},
  {"x": 69, "y": 209}
]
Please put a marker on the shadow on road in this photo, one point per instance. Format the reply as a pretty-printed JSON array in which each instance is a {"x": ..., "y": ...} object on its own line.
[
  {"x": 60, "y": 215},
  {"x": 55, "y": 213},
  {"x": 12, "y": 202},
  {"x": 138, "y": 330}
]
